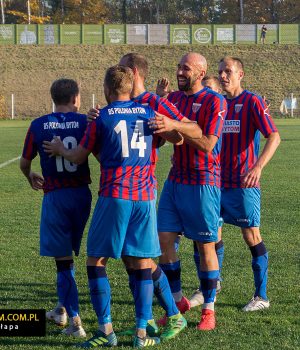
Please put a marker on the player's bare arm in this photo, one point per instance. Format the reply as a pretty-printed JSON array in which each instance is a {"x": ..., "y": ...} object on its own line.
[
  {"x": 35, "y": 180},
  {"x": 252, "y": 177},
  {"x": 163, "y": 87},
  {"x": 190, "y": 131},
  {"x": 165, "y": 130},
  {"x": 56, "y": 148}
]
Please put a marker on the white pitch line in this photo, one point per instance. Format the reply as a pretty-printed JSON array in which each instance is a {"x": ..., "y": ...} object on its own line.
[{"x": 9, "y": 161}]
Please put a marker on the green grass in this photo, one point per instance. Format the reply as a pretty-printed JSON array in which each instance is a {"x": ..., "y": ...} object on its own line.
[{"x": 28, "y": 281}]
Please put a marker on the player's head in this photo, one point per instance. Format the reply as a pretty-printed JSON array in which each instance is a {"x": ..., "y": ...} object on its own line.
[
  {"x": 137, "y": 63},
  {"x": 213, "y": 83},
  {"x": 190, "y": 71},
  {"x": 118, "y": 83},
  {"x": 65, "y": 92},
  {"x": 231, "y": 72}
]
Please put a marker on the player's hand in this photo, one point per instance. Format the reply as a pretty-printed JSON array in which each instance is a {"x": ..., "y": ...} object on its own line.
[
  {"x": 55, "y": 147},
  {"x": 36, "y": 181},
  {"x": 163, "y": 87},
  {"x": 252, "y": 177},
  {"x": 93, "y": 113},
  {"x": 161, "y": 123}
]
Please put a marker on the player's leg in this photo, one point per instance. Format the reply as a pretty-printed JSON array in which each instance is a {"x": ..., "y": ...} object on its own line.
[
  {"x": 197, "y": 298},
  {"x": 162, "y": 292},
  {"x": 169, "y": 225},
  {"x": 105, "y": 239},
  {"x": 142, "y": 244},
  {"x": 209, "y": 273},
  {"x": 201, "y": 213},
  {"x": 58, "y": 239},
  {"x": 79, "y": 210},
  {"x": 259, "y": 254}
]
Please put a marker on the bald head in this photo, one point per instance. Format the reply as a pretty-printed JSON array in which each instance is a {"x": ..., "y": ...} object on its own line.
[
  {"x": 191, "y": 70},
  {"x": 196, "y": 60}
]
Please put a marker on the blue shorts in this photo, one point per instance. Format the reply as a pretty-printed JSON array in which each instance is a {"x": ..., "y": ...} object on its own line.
[
  {"x": 123, "y": 227},
  {"x": 241, "y": 206},
  {"x": 192, "y": 209},
  {"x": 63, "y": 218}
]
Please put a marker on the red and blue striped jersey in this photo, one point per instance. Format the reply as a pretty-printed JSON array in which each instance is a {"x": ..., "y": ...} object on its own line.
[
  {"x": 162, "y": 106},
  {"x": 248, "y": 116},
  {"x": 57, "y": 171},
  {"x": 122, "y": 138},
  {"x": 191, "y": 166}
]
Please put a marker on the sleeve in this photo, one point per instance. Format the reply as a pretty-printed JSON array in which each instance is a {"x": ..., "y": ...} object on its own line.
[
  {"x": 215, "y": 114},
  {"x": 30, "y": 146},
  {"x": 166, "y": 108},
  {"x": 262, "y": 119},
  {"x": 89, "y": 140}
]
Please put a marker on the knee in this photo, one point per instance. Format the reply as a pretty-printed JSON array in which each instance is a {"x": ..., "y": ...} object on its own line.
[
  {"x": 167, "y": 240},
  {"x": 251, "y": 236}
]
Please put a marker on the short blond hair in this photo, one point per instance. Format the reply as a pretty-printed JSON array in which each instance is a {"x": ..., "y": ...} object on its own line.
[{"x": 119, "y": 80}]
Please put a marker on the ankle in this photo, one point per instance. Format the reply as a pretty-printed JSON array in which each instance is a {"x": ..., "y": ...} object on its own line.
[{"x": 106, "y": 328}]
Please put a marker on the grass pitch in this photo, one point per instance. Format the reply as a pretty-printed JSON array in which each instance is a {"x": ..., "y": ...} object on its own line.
[{"x": 28, "y": 281}]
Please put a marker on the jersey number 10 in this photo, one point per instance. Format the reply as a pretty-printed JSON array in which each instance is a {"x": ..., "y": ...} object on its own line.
[
  {"x": 137, "y": 140},
  {"x": 62, "y": 163}
]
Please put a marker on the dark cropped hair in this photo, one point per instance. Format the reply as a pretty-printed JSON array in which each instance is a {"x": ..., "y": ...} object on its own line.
[{"x": 62, "y": 90}]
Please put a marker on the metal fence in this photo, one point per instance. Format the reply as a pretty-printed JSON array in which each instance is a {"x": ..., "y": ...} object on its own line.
[
  {"x": 152, "y": 34},
  {"x": 12, "y": 104}
]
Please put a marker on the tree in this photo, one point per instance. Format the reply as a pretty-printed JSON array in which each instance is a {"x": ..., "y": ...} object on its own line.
[
  {"x": 17, "y": 11},
  {"x": 79, "y": 11}
]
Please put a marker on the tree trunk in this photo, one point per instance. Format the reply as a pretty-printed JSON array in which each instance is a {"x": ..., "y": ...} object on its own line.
[
  {"x": 2, "y": 12},
  {"x": 241, "y": 11}
]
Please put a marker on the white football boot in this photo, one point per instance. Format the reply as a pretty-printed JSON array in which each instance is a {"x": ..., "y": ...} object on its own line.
[{"x": 257, "y": 303}]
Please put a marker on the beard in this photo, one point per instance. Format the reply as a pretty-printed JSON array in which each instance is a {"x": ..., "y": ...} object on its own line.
[{"x": 189, "y": 83}]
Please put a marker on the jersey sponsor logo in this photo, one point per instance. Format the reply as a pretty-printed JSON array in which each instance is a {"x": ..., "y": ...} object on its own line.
[
  {"x": 231, "y": 126},
  {"x": 238, "y": 107},
  {"x": 196, "y": 107}
]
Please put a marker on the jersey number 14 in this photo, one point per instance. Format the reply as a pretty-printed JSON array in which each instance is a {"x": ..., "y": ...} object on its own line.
[{"x": 137, "y": 140}]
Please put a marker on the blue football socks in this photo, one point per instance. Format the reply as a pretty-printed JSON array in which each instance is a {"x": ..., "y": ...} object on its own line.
[
  {"x": 66, "y": 287},
  {"x": 260, "y": 269},
  {"x": 163, "y": 292},
  {"x": 100, "y": 293},
  {"x": 143, "y": 297}
]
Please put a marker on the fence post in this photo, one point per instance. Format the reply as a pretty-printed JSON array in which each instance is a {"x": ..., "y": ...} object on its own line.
[
  {"x": 12, "y": 106},
  {"x": 59, "y": 33},
  {"x": 38, "y": 41},
  {"x": 292, "y": 111},
  {"x": 16, "y": 34},
  {"x": 81, "y": 34}
]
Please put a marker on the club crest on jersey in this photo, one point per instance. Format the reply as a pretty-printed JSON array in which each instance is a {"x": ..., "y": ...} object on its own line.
[
  {"x": 238, "y": 108},
  {"x": 196, "y": 107}
]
